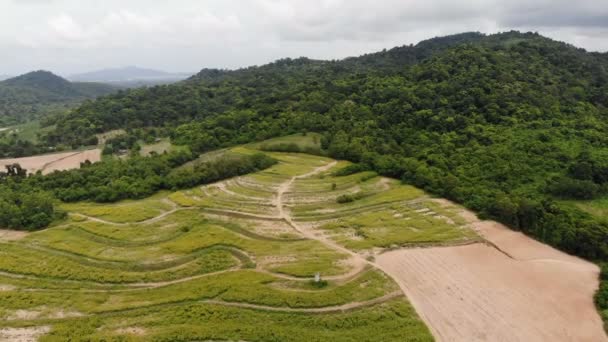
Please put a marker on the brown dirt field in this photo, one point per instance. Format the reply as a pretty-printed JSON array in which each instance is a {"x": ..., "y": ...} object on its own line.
[
  {"x": 477, "y": 293},
  {"x": 73, "y": 162},
  {"x": 57, "y": 161},
  {"x": 35, "y": 163},
  {"x": 11, "y": 235}
]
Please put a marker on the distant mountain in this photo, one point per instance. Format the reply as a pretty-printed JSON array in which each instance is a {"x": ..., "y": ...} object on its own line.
[
  {"x": 129, "y": 75},
  {"x": 4, "y": 77},
  {"x": 34, "y": 94}
]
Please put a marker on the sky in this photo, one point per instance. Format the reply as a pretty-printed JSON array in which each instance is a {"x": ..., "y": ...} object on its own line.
[{"x": 72, "y": 36}]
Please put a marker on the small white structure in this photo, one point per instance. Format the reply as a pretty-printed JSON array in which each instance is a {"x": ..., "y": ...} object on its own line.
[{"x": 317, "y": 277}]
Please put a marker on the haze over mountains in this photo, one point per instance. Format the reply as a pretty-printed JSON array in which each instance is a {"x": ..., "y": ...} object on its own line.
[{"x": 129, "y": 74}]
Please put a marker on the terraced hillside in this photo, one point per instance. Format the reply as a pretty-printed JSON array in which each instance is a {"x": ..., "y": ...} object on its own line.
[
  {"x": 236, "y": 260},
  {"x": 232, "y": 260}
]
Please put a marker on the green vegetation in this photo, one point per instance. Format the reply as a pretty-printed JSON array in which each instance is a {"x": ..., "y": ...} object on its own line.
[
  {"x": 598, "y": 207},
  {"x": 39, "y": 93},
  {"x": 198, "y": 321},
  {"x": 510, "y": 125},
  {"x": 121, "y": 212},
  {"x": 142, "y": 269},
  {"x": 25, "y": 207},
  {"x": 507, "y": 124}
]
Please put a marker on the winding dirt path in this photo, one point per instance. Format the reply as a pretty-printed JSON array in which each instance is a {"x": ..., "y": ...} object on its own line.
[
  {"x": 148, "y": 221},
  {"x": 357, "y": 262},
  {"x": 325, "y": 309}
]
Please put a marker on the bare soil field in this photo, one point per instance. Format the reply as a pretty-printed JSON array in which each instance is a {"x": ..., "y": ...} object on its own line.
[
  {"x": 23, "y": 334},
  {"x": 510, "y": 289},
  {"x": 73, "y": 161},
  {"x": 57, "y": 161},
  {"x": 11, "y": 235}
]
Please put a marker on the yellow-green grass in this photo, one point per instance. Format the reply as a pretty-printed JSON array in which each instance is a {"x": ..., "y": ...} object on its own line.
[
  {"x": 328, "y": 210},
  {"x": 243, "y": 286},
  {"x": 597, "y": 207},
  {"x": 139, "y": 272},
  {"x": 399, "y": 225},
  {"x": 392, "y": 321},
  {"x": 121, "y": 212},
  {"x": 257, "y": 193},
  {"x": 46, "y": 263},
  {"x": 309, "y": 140},
  {"x": 326, "y": 184},
  {"x": 103, "y": 137},
  {"x": 159, "y": 148},
  {"x": 133, "y": 233},
  {"x": 298, "y": 257}
]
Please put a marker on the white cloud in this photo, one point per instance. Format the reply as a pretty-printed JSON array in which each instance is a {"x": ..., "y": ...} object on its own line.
[{"x": 74, "y": 35}]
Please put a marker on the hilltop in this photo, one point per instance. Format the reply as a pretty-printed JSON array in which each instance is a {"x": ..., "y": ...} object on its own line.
[{"x": 31, "y": 95}]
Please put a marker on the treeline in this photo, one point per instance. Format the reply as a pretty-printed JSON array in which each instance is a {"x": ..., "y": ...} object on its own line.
[
  {"x": 112, "y": 180},
  {"x": 24, "y": 207},
  {"x": 27, "y": 202},
  {"x": 11, "y": 147},
  {"x": 140, "y": 177}
]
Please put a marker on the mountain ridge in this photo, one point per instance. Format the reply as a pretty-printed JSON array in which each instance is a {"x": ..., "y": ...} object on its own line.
[
  {"x": 28, "y": 96},
  {"x": 127, "y": 74}
]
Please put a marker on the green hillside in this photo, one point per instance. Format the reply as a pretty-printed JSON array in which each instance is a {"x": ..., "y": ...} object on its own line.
[
  {"x": 511, "y": 125},
  {"x": 499, "y": 123},
  {"x": 36, "y": 94}
]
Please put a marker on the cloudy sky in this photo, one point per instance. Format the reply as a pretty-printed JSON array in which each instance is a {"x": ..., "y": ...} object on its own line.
[{"x": 70, "y": 36}]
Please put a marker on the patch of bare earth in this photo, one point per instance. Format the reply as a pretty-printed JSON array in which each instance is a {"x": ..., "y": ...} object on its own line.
[
  {"x": 23, "y": 334},
  {"x": 73, "y": 161},
  {"x": 137, "y": 331},
  {"x": 11, "y": 235},
  {"x": 56, "y": 161},
  {"x": 4, "y": 287},
  {"x": 510, "y": 289}
]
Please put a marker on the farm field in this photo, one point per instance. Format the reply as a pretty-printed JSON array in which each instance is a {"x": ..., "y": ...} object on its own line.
[
  {"x": 214, "y": 261},
  {"x": 520, "y": 290},
  {"x": 48, "y": 163}
]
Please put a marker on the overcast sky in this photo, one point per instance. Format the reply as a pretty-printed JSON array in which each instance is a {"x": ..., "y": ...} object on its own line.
[{"x": 70, "y": 36}]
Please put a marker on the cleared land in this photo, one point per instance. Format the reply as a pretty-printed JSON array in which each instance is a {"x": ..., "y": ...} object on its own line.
[
  {"x": 509, "y": 289},
  {"x": 212, "y": 262},
  {"x": 56, "y": 161}
]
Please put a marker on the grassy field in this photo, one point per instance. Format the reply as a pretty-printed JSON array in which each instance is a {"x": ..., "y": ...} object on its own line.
[
  {"x": 160, "y": 147},
  {"x": 27, "y": 131},
  {"x": 597, "y": 207},
  {"x": 234, "y": 260}
]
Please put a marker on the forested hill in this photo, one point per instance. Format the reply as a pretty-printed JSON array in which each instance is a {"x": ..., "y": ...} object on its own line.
[
  {"x": 28, "y": 96},
  {"x": 510, "y": 124}
]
